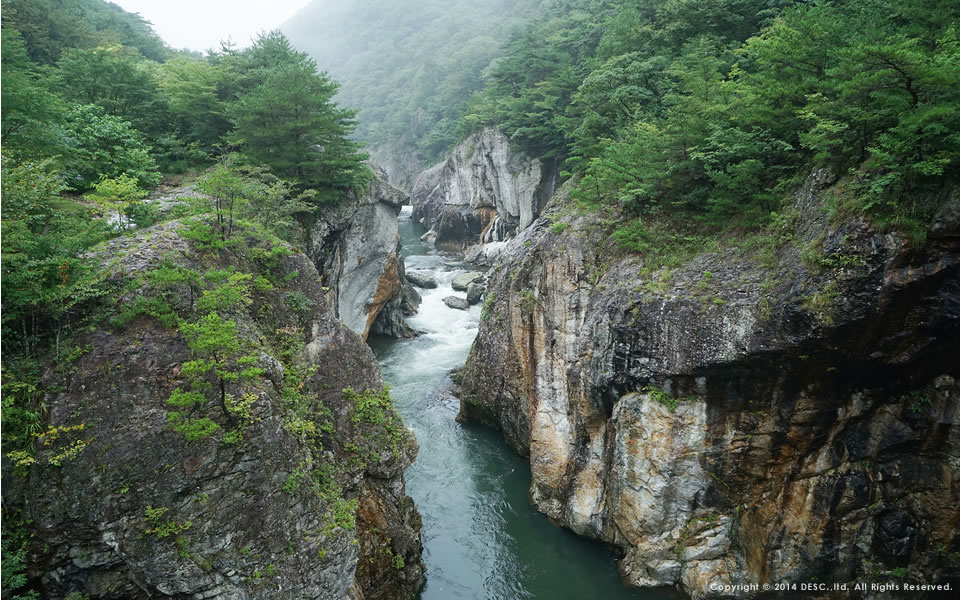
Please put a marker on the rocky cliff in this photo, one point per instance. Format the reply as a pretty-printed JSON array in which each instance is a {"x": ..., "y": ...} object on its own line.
[
  {"x": 355, "y": 246},
  {"x": 216, "y": 433},
  {"x": 482, "y": 193},
  {"x": 753, "y": 417}
]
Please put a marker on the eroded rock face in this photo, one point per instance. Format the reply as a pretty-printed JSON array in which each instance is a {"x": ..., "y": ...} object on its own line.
[
  {"x": 483, "y": 193},
  {"x": 355, "y": 248},
  {"x": 285, "y": 499},
  {"x": 738, "y": 421}
]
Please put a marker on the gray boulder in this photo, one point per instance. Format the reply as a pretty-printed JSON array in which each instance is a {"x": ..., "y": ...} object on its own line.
[
  {"x": 422, "y": 280},
  {"x": 475, "y": 292},
  {"x": 460, "y": 282},
  {"x": 456, "y": 302}
]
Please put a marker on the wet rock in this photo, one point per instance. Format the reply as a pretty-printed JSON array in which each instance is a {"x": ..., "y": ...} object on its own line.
[
  {"x": 484, "y": 255},
  {"x": 355, "y": 247},
  {"x": 456, "y": 302},
  {"x": 730, "y": 428},
  {"x": 475, "y": 292},
  {"x": 460, "y": 282},
  {"x": 392, "y": 321},
  {"x": 422, "y": 279},
  {"x": 482, "y": 193},
  {"x": 121, "y": 505}
]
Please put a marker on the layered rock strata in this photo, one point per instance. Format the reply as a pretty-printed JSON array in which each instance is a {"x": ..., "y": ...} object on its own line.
[
  {"x": 744, "y": 419},
  {"x": 483, "y": 193},
  {"x": 355, "y": 246}
]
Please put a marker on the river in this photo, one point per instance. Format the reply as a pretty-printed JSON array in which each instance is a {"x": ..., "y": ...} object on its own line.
[{"x": 482, "y": 539}]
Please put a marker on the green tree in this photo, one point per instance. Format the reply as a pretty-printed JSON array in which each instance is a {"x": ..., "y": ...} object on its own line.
[
  {"x": 288, "y": 121},
  {"x": 101, "y": 145},
  {"x": 31, "y": 113},
  {"x": 45, "y": 279},
  {"x": 192, "y": 88},
  {"x": 120, "y": 195},
  {"x": 117, "y": 79}
]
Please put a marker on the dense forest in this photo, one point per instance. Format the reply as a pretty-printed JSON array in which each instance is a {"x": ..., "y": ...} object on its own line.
[
  {"x": 97, "y": 111},
  {"x": 666, "y": 106},
  {"x": 715, "y": 109},
  {"x": 681, "y": 120},
  {"x": 408, "y": 66},
  {"x": 101, "y": 113}
]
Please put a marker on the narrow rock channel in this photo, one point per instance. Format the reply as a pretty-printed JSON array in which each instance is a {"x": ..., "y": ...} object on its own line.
[{"x": 482, "y": 539}]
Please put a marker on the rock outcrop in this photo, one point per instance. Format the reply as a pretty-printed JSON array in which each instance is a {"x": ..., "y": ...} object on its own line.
[
  {"x": 739, "y": 420},
  {"x": 355, "y": 247},
  {"x": 483, "y": 193},
  {"x": 217, "y": 433}
]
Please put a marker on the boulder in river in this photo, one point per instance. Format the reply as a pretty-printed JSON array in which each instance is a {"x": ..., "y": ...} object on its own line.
[
  {"x": 475, "y": 292},
  {"x": 422, "y": 280},
  {"x": 456, "y": 302},
  {"x": 460, "y": 282}
]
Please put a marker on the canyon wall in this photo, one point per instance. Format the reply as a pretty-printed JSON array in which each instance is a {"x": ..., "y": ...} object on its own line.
[
  {"x": 215, "y": 432},
  {"x": 483, "y": 193},
  {"x": 355, "y": 246},
  {"x": 781, "y": 411}
]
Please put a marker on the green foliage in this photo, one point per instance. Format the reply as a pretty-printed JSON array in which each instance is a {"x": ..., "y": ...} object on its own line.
[
  {"x": 243, "y": 192},
  {"x": 286, "y": 119},
  {"x": 31, "y": 112},
  {"x": 45, "y": 279},
  {"x": 14, "y": 567},
  {"x": 823, "y": 303},
  {"x": 121, "y": 195},
  {"x": 487, "y": 305},
  {"x": 409, "y": 66},
  {"x": 51, "y": 26},
  {"x": 160, "y": 527},
  {"x": 211, "y": 335},
  {"x": 230, "y": 295},
  {"x": 713, "y": 110},
  {"x": 98, "y": 145},
  {"x": 298, "y": 302},
  {"x": 118, "y": 80},
  {"x": 666, "y": 399},
  {"x": 192, "y": 429},
  {"x": 22, "y": 408},
  {"x": 919, "y": 401},
  {"x": 526, "y": 300},
  {"x": 375, "y": 408}
]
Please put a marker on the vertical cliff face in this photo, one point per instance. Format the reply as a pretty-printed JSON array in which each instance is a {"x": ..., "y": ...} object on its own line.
[
  {"x": 355, "y": 247},
  {"x": 736, "y": 421},
  {"x": 280, "y": 473},
  {"x": 482, "y": 193}
]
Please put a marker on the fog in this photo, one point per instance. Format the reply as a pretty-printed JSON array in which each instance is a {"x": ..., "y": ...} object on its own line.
[{"x": 202, "y": 24}]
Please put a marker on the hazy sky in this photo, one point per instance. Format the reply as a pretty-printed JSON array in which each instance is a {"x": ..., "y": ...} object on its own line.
[{"x": 201, "y": 24}]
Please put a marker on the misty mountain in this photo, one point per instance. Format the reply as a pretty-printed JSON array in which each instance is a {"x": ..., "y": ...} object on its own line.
[{"x": 408, "y": 66}]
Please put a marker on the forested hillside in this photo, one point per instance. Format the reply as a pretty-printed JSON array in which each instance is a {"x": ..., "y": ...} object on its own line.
[
  {"x": 96, "y": 113},
  {"x": 408, "y": 66},
  {"x": 682, "y": 108},
  {"x": 103, "y": 109}
]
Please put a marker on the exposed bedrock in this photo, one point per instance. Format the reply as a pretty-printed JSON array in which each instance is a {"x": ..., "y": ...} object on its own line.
[
  {"x": 355, "y": 246},
  {"x": 739, "y": 420},
  {"x": 483, "y": 193},
  {"x": 286, "y": 493}
]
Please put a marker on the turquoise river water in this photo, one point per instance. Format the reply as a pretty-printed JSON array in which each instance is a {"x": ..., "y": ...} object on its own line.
[{"x": 482, "y": 539}]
